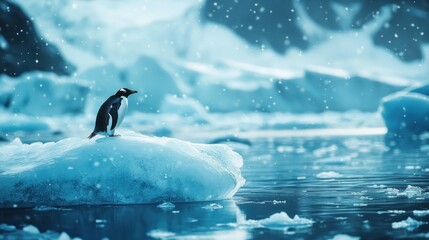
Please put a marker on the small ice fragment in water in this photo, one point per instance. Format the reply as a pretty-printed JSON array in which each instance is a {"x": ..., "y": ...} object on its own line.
[
  {"x": 166, "y": 206},
  {"x": 411, "y": 192},
  {"x": 377, "y": 186},
  {"x": 344, "y": 237},
  {"x": 391, "y": 212},
  {"x": 160, "y": 234},
  {"x": 279, "y": 202},
  {"x": 98, "y": 221},
  {"x": 410, "y": 224},
  {"x": 213, "y": 206},
  {"x": 360, "y": 204},
  {"x": 412, "y": 167},
  {"x": 325, "y": 150},
  {"x": 47, "y": 208},
  {"x": 392, "y": 191},
  {"x": 329, "y": 174},
  {"x": 31, "y": 229},
  {"x": 421, "y": 213},
  {"x": 5, "y": 227},
  {"x": 279, "y": 221}
]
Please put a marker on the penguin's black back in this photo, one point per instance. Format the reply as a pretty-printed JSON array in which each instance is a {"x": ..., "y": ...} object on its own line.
[{"x": 111, "y": 105}]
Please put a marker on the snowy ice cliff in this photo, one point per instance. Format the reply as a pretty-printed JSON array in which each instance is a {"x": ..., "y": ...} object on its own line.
[{"x": 132, "y": 168}]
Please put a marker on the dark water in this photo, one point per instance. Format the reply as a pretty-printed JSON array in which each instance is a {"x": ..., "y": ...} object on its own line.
[{"x": 283, "y": 174}]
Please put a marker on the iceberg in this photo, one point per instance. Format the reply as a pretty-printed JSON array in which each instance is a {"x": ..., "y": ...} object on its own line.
[
  {"x": 129, "y": 169},
  {"x": 43, "y": 94},
  {"x": 407, "y": 111}
]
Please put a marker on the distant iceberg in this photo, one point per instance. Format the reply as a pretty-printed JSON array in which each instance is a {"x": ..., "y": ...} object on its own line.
[
  {"x": 132, "y": 168},
  {"x": 407, "y": 111}
]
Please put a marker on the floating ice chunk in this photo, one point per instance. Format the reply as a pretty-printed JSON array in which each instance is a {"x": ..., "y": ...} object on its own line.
[
  {"x": 132, "y": 168},
  {"x": 213, "y": 206},
  {"x": 377, "y": 186},
  {"x": 160, "y": 234},
  {"x": 325, "y": 150},
  {"x": 360, "y": 204},
  {"x": 421, "y": 213},
  {"x": 344, "y": 237},
  {"x": 410, "y": 224},
  {"x": 32, "y": 232},
  {"x": 330, "y": 174},
  {"x": 31, "y": 229},
  {"x": 391, "y": 212},
  {"x": 166, "y": 206},
  {"x": 280, "y": 221},
  {"x": 411, "y": 192},
  {"x": 412, "y": 167},
  {"x": 392, "y": 191},
  {"x": 5, "y": 227},
  {"x": 48, "y": 208}
]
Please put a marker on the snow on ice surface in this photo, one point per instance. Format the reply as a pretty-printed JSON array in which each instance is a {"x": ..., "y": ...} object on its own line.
[
  {"x": 410, "y": 224},
  {"x": 132, "y": 168}
]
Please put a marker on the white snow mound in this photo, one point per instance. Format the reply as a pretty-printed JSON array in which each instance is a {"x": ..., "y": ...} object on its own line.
[
  {"x": 132, "y": 168},
  {"x": 280, "y": 220}
]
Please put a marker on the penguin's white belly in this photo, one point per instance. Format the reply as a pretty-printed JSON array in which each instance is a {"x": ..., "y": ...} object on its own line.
[
  {"x": 121, "y": 114},
  {"x": 122, "y": 111}
]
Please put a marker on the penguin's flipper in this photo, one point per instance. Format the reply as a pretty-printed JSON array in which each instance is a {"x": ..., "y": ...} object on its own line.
[
  {"x": 92, "y": 135},
  {"x": 114, "y": 113}
]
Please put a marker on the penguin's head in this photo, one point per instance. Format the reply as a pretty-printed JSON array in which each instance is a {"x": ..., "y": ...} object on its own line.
[{"x": 125, "y": 92}]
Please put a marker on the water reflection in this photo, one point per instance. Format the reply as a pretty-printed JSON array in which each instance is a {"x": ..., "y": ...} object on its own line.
[{"x": 130, "y": 221}]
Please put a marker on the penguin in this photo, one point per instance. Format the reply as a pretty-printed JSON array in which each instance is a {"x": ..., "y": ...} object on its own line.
[{"x": 111, "y": 113}]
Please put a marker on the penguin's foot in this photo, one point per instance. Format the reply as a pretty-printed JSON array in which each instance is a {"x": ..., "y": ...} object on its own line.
[{"x": 115, "y": 135}]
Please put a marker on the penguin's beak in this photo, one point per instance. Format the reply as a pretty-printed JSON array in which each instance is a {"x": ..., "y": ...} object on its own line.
[{"x": 133, "y": 91}]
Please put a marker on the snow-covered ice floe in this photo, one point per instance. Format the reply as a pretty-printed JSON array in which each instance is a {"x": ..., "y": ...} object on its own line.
[
  {"x": 409, "y": 224},
  {"x": 132, "y": 168},
  {"x": 279, "y": 221}
]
